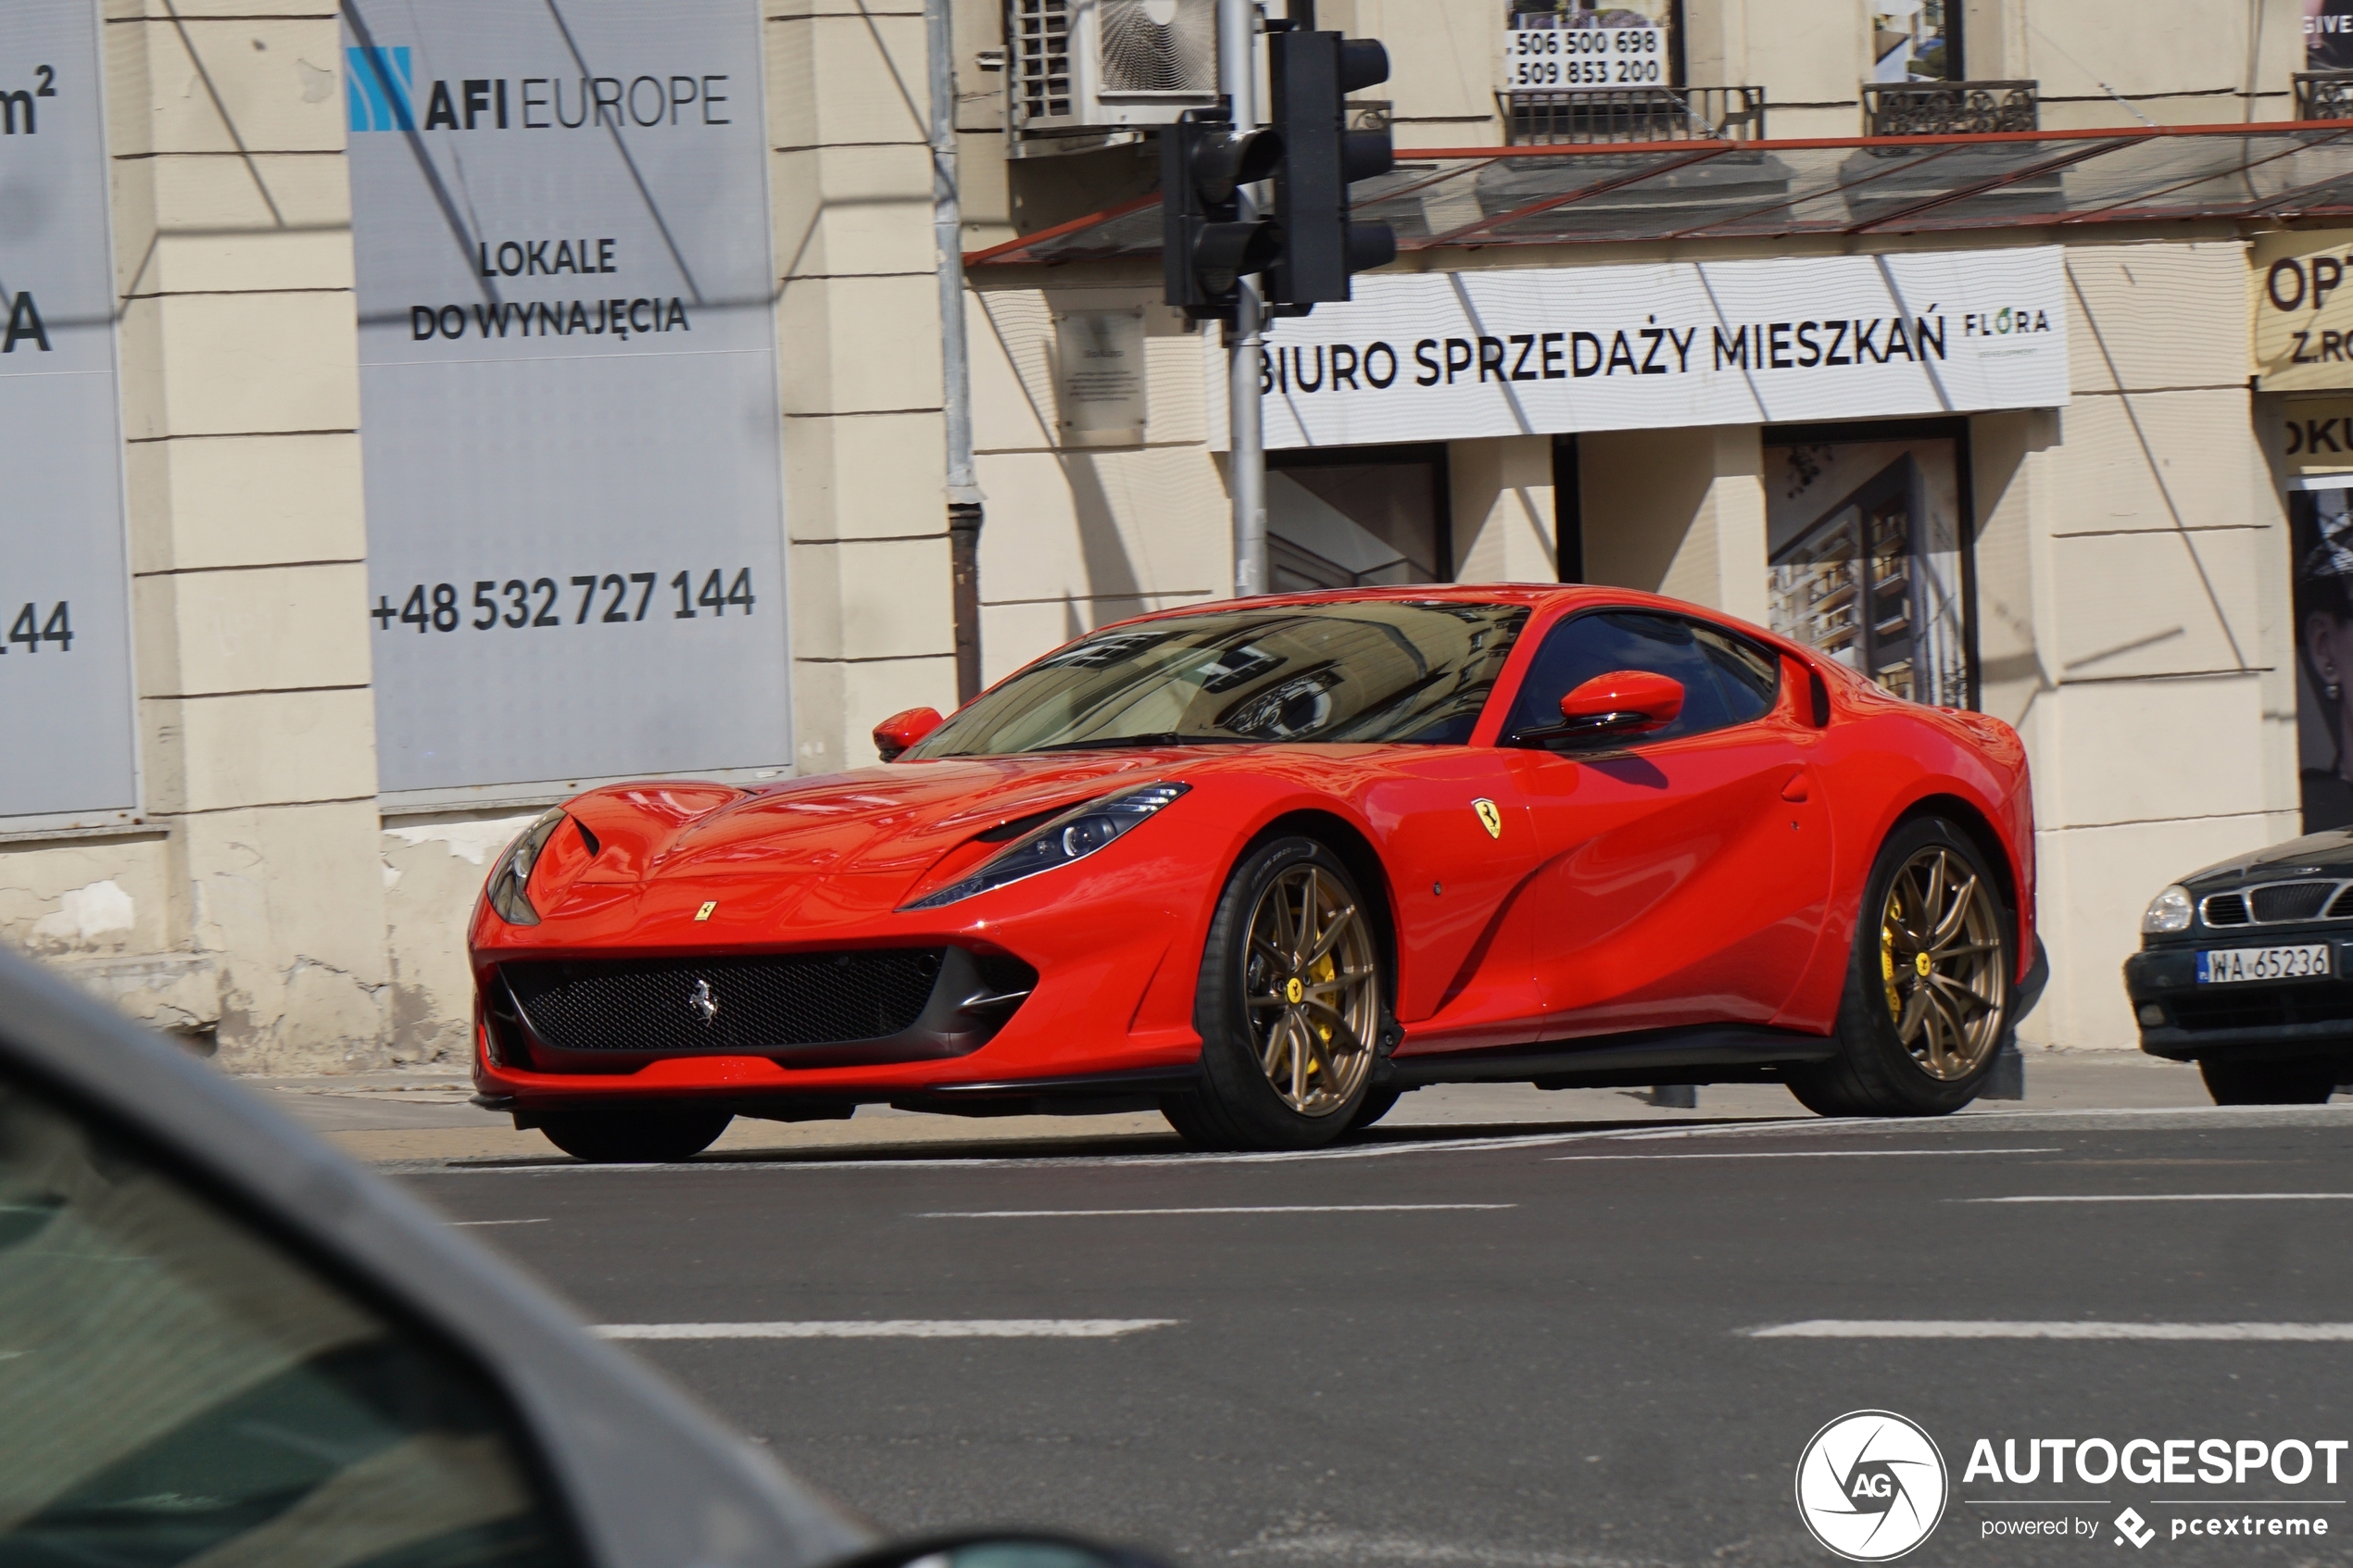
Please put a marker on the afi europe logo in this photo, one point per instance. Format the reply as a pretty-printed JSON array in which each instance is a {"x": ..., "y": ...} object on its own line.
[
  {"x": 380, "y": 95},
  {"x": 1870, "y": 1485}
]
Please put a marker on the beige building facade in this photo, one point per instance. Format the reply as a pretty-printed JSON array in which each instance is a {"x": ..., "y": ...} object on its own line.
[{"x": 2128, "y": 546}]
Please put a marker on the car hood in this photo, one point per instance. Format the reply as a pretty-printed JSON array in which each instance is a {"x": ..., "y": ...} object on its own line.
[
  {"x": 899, "y": 819},
  {"x": 2319, "y": 854}
]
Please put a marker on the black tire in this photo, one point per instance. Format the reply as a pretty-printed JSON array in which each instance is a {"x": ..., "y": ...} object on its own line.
[
  {"x": 635, "y": 1135},
  {"x": 1378, "y": 1103},
  {"x": 2270, "y": 1083},
  {"x": 1238, "y": 1105},
  {"x": 1875, "y": 1073}
]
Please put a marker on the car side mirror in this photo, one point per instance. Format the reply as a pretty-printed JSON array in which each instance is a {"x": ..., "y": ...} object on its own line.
[
  {"x": 1624, "y": 702},
  {"x": 900, "y": 731}
]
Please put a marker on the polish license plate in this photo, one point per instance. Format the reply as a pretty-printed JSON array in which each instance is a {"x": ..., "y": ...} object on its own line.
[{"x": 2229, "y": 965}]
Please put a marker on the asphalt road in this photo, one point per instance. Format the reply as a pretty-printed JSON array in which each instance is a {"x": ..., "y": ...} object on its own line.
[{"x": 1552, "y": 1364}]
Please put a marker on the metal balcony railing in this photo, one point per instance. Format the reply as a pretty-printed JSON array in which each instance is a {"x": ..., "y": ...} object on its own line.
[
  {"x": 1948, "y": 108},
  {"x": 2324, "y": 95},
  {"x": 1634, "y": 114}
]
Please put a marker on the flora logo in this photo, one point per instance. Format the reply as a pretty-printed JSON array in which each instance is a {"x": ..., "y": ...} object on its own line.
[
  {"x": 1870, "y": 1485},
  {"x": 375, "y": 89}
]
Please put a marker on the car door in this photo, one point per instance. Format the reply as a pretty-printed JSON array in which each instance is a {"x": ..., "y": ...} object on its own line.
[
  {"x": 1462, "y": 855},
  {"x": 1685, "y": 872}
]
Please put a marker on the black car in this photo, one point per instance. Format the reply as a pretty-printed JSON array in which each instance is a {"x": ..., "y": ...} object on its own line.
[{"x": 2243, "y": 969}]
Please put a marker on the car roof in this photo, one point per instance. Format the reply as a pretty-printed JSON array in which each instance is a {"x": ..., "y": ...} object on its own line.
[
  {"x": 1536, "y": 596},
  {"x": 649, "y": 1479}
]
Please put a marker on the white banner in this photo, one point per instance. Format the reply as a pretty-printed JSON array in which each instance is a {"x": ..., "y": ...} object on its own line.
[
  {"x": 1455, "y": 355},
  {"x": 1539, "y": 60}
]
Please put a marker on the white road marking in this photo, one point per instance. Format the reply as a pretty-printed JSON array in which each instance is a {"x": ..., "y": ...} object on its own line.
[
  {"x": 1813, "y": 1154},
  {"x": 2166, "y": 1198},
  {"x": 1249, "y": 1208},
  {"x": 891, "y": 1328},
  {"x": 1842, "y": 1329},
  {"x": 2130, "y": 1118},
  {"x": 497, "y": 1222}
]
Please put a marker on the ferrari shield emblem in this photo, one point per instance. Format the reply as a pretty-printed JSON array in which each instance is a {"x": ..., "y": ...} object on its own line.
[
  {"x": 1489, "y": 818},
  {"x": 704, "y": 913}
]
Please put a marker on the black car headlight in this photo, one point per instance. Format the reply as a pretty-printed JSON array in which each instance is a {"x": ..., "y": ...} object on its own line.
[
  {"x": 509, "y": 890},
  {"x": 1073, "y": 835}
]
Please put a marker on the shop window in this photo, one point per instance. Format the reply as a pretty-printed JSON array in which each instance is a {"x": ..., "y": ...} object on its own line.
[
  {"x": 2320, "y": 537},
  {"x": 1868, "y": 552},
  {"x": 1360, "y": 517},
  {"x": 1916, "y": 40}
]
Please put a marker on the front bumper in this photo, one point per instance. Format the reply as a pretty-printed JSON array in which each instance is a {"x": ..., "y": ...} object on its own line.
[
  {"x": 2182, "y": 1021},
  {"x": 1113, "y": 948}
]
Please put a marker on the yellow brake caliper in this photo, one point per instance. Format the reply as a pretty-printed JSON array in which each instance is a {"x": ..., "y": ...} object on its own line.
[
  {"x": 1323, "y": 970},
  {"x": 1887, "y": 968}
]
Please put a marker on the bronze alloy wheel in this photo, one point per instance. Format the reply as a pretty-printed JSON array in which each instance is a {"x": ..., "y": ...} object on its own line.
[
  {"x": 1313, "y": 988},
  {"x": 1942, "y": 963}
]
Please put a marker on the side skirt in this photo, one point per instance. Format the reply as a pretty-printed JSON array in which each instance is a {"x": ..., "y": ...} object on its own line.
[{"x": 1709, "y": 1054}]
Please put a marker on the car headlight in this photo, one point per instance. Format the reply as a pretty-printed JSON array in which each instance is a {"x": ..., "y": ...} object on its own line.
[
  {"x": 1073, "y": 835},
  {"x": 2170, "y": 910},
  {"x": 509, "y": 889}
]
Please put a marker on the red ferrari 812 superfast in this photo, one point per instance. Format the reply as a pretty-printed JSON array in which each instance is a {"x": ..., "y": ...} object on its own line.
[{"x": 1264, "y": 865}]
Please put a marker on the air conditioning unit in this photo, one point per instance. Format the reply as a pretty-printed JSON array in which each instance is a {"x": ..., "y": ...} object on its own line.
[{"x": 1092, "y": 66}]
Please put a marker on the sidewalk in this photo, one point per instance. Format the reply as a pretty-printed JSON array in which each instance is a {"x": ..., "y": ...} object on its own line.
[{"x": 422, "y": 1114}]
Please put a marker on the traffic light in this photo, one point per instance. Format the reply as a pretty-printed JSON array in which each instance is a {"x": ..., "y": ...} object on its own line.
[
  {"x": 1206, "y": 246},
  {"x": 1312, "y": 75}
]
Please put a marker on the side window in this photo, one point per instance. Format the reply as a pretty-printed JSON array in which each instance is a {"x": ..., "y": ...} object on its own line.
[
  {"x": 1725, "y": 680},
  {"x": 1588, "y": 645},
  {"x": 202, "y": 1394},
  {"x": 1750, "y": 677}
]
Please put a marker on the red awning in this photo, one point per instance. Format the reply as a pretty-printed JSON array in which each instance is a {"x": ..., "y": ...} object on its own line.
[{"x": 1853, "y": 185}]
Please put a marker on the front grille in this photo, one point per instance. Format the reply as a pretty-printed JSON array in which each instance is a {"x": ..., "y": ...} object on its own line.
[
  {"x": 2291, "y": 900},
  {"x": 2279, "y": 903},
  {"x": 2264, "y": 1008},
  {"x": 761, "y": 1002}
]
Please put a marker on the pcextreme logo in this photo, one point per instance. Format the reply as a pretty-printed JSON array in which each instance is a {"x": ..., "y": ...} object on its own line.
[{"x": 1870, "y": 1485}]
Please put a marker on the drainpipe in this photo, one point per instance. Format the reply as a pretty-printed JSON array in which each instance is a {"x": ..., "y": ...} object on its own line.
[{"x": 956, "y": 392}]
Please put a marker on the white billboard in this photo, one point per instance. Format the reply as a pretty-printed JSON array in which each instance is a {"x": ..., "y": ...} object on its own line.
[
  {"x": 1455, "y": 355},
  {"x": 66, "y": 709},
  {"x": 568, "y": 388}
]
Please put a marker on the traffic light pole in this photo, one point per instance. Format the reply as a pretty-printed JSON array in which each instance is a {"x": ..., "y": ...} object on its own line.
[
  {"x": 1246, "y": 335},
  {"x": 964, "y": 499}
]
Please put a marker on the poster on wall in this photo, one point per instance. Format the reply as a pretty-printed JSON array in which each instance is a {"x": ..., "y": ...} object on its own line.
[
  {"x": 568, "y": 388},
  {"x": 2328, "y": 35},
  {"x": 1866, "y": 542},
  {"x": 66, "y": 709}
]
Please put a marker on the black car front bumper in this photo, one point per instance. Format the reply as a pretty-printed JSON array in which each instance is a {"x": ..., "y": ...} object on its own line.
[{"x": 2249, "y": 1019}]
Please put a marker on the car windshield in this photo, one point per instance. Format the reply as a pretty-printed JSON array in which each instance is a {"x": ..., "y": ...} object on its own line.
[{"x": 1416, "y": 670}]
